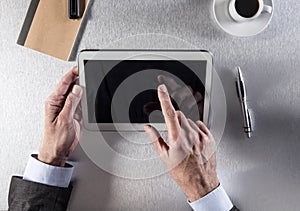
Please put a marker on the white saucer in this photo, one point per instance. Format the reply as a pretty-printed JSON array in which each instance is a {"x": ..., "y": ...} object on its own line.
[{"x": 244, "y": 29}]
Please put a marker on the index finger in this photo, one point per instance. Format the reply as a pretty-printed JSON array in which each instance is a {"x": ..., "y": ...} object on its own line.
[
  {"x": 67, "y": 80},
  {"x": 168, "y": 112}
]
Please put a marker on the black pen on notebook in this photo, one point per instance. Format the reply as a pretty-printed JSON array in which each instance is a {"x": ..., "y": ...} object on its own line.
[
  {"x": 241, "y": 90},
  {"x": 74, "y": 9}
]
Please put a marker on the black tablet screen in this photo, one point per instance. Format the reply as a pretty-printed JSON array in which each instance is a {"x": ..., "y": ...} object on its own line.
[{"x": 125, "y": 91}]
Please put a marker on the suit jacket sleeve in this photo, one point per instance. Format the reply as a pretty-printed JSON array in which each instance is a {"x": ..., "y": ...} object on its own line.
[{"x": 25, "y": 195}]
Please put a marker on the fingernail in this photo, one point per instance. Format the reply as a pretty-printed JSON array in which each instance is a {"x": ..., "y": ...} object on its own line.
[
  {"x": 163, "y": 88},
  {"x": 76, "y": 90},
  {"x": 75, "y": 69}
]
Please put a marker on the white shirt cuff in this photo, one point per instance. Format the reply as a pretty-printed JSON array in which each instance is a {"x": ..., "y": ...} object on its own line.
[
  {"x": 39, "y": 172},
  {"x": 217, "y": 200}
]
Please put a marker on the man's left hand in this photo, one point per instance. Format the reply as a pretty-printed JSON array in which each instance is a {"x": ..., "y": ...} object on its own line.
[{"x": 62, "y": 122}]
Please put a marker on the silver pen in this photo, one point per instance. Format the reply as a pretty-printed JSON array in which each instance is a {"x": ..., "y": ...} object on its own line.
[{"x": 241, "y": 90}]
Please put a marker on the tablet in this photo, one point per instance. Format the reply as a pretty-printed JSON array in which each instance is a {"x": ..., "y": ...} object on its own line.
[{"x": 120, "y": 86}]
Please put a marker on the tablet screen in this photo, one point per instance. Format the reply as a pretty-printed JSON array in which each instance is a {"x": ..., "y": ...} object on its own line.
[{"x": 126, "y": 91}]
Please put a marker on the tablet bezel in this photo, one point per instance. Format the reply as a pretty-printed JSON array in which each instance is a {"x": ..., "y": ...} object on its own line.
[{"x": 180, "y": 55}]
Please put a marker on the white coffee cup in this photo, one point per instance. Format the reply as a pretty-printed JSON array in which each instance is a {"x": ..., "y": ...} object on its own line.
[{"x": 235, "y": 13}]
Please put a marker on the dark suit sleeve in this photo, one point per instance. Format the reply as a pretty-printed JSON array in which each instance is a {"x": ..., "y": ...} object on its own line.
[{"x": 25, "y": 195}]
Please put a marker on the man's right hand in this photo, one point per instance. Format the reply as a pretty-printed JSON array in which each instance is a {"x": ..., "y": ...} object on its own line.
[{"x": 190, "y": 152}]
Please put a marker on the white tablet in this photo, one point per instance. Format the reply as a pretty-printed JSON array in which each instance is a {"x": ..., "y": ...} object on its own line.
[{"x": 120, "y": 86}]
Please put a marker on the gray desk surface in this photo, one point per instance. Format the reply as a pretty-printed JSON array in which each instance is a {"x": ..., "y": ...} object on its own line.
[{"x": 260, "y": 174}]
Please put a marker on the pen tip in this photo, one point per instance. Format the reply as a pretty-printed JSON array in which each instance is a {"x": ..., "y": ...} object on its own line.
[{"x": 239, "y": 71}]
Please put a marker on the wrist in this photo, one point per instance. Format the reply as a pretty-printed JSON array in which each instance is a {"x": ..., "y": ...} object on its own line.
[
  {"x": 51, "y": 159},
  {"x": 200, "y": 190}
]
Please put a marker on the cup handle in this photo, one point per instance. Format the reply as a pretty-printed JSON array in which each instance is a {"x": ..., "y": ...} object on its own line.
[{"x": 267, "y": 9}]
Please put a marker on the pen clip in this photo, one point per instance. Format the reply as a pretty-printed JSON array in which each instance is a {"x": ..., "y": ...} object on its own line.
[
  {"x": 250, "y": 120},
  {"x": 237, "y": 89}
]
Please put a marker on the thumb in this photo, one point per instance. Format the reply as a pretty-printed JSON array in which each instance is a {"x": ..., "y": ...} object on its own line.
[
  {"x": 77, "y": 128},
  {"x": 157, "y": 141},
  {"x": 72, "y": 102}
]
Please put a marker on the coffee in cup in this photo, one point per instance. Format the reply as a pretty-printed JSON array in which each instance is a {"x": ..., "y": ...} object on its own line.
[{"x": 243, "y": 10}]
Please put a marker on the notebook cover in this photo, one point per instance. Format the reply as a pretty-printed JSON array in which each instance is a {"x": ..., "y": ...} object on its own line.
[{"x": 51, "y": 31}]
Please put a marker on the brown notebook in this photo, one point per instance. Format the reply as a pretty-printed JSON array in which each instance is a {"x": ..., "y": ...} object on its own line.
[{"x": 51, "y": 31}]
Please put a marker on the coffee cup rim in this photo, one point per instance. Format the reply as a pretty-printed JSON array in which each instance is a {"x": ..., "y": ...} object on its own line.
[{"x": 237, "y": 17}]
